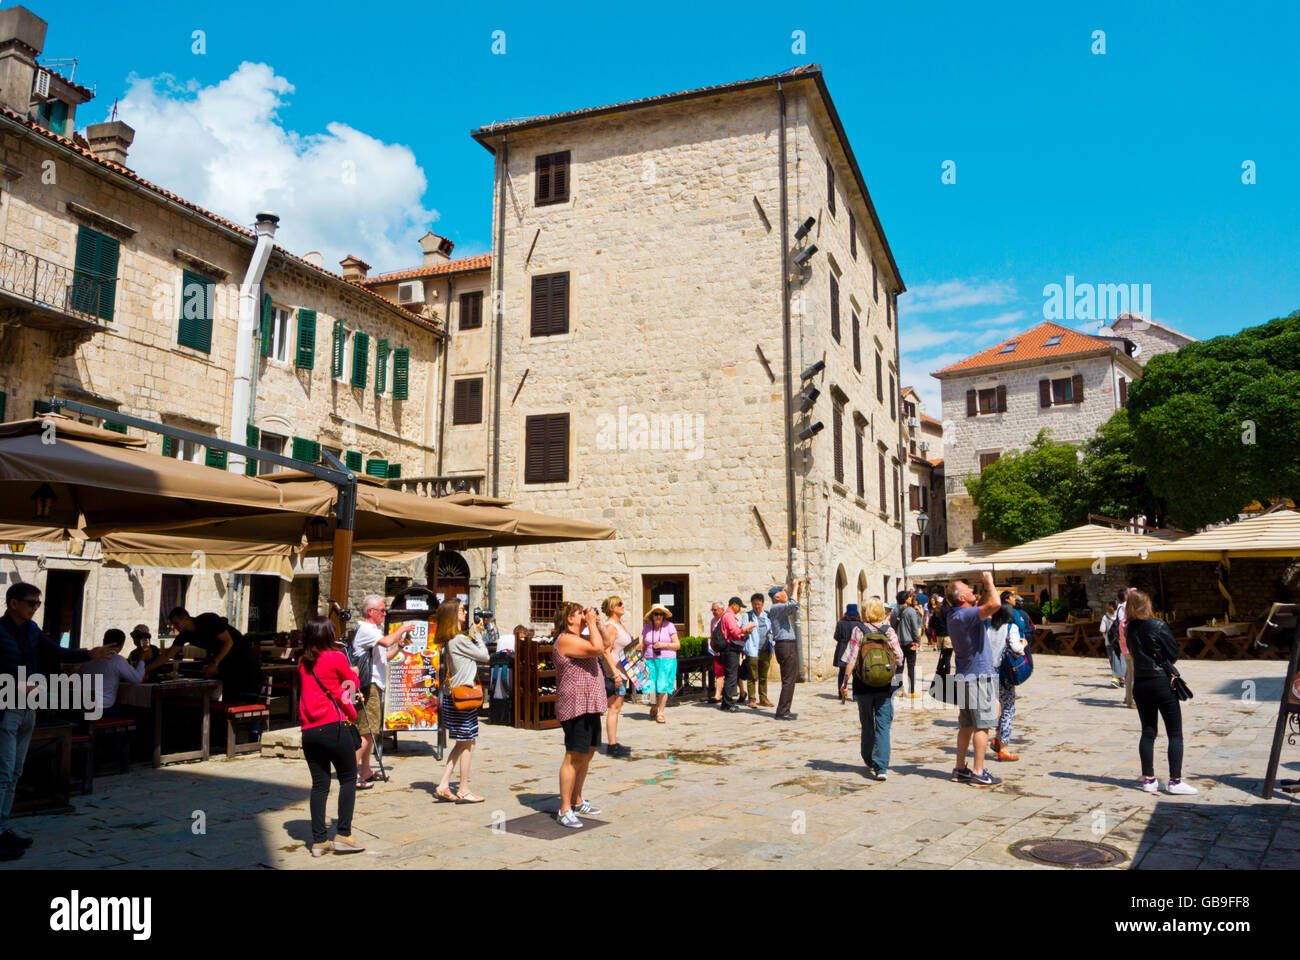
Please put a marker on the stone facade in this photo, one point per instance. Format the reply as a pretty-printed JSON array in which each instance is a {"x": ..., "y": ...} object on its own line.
[
  {"x": 671, "y": 368},
  {"x": 924, "y": 487},
  {"x": 1152, "y": 338}
]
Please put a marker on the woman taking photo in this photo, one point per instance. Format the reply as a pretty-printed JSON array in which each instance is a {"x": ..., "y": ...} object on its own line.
[
  {"x": 1154, "y": 650},
  {"x": 329, "y": 738},
  {"x": 464, "y": 653},
  {"x": 659, "y": 637},
  {"x": 579, "y": 702},
  {"x": 620, "y": 644}
]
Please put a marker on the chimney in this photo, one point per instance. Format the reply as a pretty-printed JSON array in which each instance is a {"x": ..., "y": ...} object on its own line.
[
  {"x": 354, "y": 268},
  {"x": 436, "y": 249},
  {"x": 22, "y": 37},
  {"x": 110, "y": 141}
]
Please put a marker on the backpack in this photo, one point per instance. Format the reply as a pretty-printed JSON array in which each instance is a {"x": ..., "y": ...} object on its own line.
[
  {"x": 362, "y": 664},
  {"x": 1112, "y": 634},
  {"x": 876, "y": 664},
  {"x": 717, "y": 645}
]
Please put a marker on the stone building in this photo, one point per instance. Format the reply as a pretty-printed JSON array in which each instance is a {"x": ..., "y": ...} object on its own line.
[
  {"x": 1149, "y": 338},
  {"x": 925, "y": 488},
  {"x": 1050, "y": 377},
  {"x": 648, "y": 261},
  {"x": 118, "y": 293}
]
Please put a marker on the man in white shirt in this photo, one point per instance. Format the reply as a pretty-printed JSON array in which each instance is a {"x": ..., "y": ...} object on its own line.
[
  {"x": 115, "y": 670},
  {"x": 369, "y": 640}
]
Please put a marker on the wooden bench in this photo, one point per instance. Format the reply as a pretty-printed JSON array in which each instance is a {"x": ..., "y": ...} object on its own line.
[
  {"x": 240, "y": 713},
  {"x": 119, "y": 730}
]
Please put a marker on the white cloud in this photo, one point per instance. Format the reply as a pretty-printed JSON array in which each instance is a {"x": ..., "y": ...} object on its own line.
[
  {"x": 1002, "y": 320},
  {"x": 224, "y": 148},
  {"x": 955, "y": 294}
]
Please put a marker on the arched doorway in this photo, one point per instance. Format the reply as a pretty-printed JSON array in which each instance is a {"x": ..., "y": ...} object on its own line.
[
  {"x": 862, "y": 589},
  {"x": 447, "y": 574},
  {"x": 841, "y": 581}
]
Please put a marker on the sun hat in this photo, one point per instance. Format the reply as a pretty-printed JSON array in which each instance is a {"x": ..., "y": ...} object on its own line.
[{"x": 658, "y": 609}]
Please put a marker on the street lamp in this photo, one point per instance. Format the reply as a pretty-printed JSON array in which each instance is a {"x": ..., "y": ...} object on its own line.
[{"x": 922, "y": 521}]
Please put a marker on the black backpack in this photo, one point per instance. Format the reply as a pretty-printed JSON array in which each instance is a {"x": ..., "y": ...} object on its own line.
[
  {"x": 1112, "y": 634},
  {"x": 717, "y": 645},
  {"x": 361, "y": 664}
]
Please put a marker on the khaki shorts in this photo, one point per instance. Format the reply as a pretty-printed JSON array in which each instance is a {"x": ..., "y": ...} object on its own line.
[
  {"x": 370, "y": 718},
  {"x": 977, "y": 702}
]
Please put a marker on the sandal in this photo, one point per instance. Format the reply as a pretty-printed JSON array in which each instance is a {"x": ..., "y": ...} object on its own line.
[
  {"x": 660, "y": 719},
  {"x": 364, "y": 785},
  {"x": 469, "y": 798},
  {"x": 375, "y": 778},
  {"x": 443, "y": 797}
]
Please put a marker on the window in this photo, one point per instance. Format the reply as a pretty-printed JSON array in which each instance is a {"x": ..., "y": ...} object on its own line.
[
  {"x": 875, "y": 284},
  {"x": 174, "y": 590},
  {"x": 916, "y": 545},
  {"x": 988, "y": 459},
  {"x": 884, "y": 496},
  {"x": 830, "y": 187},
  {"x": 853, "y": 237},
  {"x": 186, "y": 450},
  {"x": 909, "y": 409},
  {"x": 275, "y": 331},
  {"x": 911, "y": 447},
  {"x": 880, "y": 379},
  {"x": 988, "y": 400},
  {"x": 401, "y": 373},
  {"x": 198, "y": 306},
  {"x": 891, "y": 311},
  {"x": 1010, "y": 347},
  {"x": 857, "y": 344},
  {"x": 893, "y": 399},
  {"x": 53, "y": 115},
  {"x": 467, "y": 401},
  {"x": 897, "y": 499},
  {"x": 1123, "y": 391},
  {"x": 544, "y": 602},
  {"x": 306, "y": 358},
  {"x": 925, "y": 498},
  {"x": 360, "y": 359},
  {"x": 375, "y": 467},
  {"x": 835, "y": 308},
  {"x": 550, "y": 309},
  {"x": 1054, "y": 340},
  {"x": 552, "y": 178},
  {"x": 546, "y": 448},
  {"x": 861, "y": 442},
  {"x": 271, "y": 443},
  {"x": 353, "y": 460},
  {"x": 1062, "y": 391},
  {"x": 837, "y": 434},
  {"x": 471, "y": 310},
  {"x": 914, "y": 496},
  {"x": 381, "y": 367},
  {"x": 94, "y": 279},
  {"x": 307, "y": 450}
]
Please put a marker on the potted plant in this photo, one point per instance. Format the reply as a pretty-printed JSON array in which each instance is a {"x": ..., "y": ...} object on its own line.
[{"x": 1055, "y": 611}]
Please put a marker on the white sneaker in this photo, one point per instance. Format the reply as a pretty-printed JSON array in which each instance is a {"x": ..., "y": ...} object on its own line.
[
  {"x": 1181, "y": 788},
  {"x": 1151, "y": 786},
  {"x": 587, "y": 810},
  {"x": 569, "y": 819}
]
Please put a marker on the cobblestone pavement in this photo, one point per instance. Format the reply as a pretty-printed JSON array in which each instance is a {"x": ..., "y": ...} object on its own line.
[{"x": 709, "y": 789}]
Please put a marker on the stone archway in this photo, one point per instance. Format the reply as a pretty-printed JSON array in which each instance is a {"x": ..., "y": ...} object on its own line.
[{"x": 447, "y": 575}]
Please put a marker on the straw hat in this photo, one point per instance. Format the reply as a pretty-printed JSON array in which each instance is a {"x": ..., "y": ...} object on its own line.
[{"x": 659, "y": 609}]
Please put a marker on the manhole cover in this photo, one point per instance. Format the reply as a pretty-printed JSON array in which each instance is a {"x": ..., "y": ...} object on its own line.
[{"x": 1068, "y": 853}]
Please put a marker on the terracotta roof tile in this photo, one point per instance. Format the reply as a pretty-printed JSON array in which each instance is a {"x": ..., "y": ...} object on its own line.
[
  {"x": 134, "y": 177},
  {"x": 926, "y": 418},
  {"x": 1031, "y": 345},
  {"x": 84, "y": 91},
  {"x": 482, "y": 261}
]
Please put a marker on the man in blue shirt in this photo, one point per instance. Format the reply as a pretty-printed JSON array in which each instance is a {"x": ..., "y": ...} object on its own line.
[
  {"x": 976, "y": 676},
  {"x": 757, "y": 627},
  {"x": 782, "y": 613}
]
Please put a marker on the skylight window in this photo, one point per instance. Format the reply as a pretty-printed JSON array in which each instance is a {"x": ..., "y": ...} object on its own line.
[
  {"x": 1054, "y": 341},
  {"x": 1010, "y": 347}
]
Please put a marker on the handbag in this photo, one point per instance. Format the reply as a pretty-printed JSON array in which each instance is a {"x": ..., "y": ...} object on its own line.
[
  {"x": 467, "y": 698},
  {"x": 1015, "y": 668},
  {"x": 1177, "y": 684},
  {"x": 347, "y": 725}
]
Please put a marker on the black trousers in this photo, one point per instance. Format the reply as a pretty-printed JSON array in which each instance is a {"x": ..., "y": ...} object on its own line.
[
  {"x": 731, "y": 674},
  {"x": 945, "y": 661},
  {"x": 909, "y": 657},
  {"x": 787, "y": 658},
  {"x": 325, "y": 746},
  {"x": 1155, "y": 700}
]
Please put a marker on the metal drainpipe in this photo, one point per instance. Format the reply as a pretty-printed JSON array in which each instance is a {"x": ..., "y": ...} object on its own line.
[
  {"x": 442, "y": 391},
  {"x": 498, "y": 295}
]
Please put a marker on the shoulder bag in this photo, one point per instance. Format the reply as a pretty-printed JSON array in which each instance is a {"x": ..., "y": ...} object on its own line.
[
  {"x": 1176, "y": 682},
  {"x": 465, "y": 698},
  {"x": 352, "y": 732}
]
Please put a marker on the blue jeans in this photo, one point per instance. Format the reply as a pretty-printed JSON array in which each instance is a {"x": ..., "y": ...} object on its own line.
[
  {"x": 876, "y": 713},
  {"x": 1116, "y": 662},
  {"x": 16, "y": 728}
]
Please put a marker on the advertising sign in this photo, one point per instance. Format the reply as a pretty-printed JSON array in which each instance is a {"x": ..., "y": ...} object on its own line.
[{"x": 411, "y": 694}]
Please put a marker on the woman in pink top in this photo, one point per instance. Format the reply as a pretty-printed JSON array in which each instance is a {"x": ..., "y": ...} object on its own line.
[
  {"x": 659, "y": 637},
  {"x": 579, "y": 703},
  {"x": 326, "y": 711}
]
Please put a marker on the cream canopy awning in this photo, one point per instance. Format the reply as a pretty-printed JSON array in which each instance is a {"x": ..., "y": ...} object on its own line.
[
  {"x": 1081, "y": 547},
  {"x": 1275, "y": 534},
  {"x": 972, "y": 559}
]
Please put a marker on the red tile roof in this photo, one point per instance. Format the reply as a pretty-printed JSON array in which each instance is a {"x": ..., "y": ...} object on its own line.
[
  {"x": 483, "y": 261},
  {"x": 1031, "y": 345},
  {"x": 926, "y": 418},
  {"x": 85, "y": 92},
  {"x": 85, "y": 152}
]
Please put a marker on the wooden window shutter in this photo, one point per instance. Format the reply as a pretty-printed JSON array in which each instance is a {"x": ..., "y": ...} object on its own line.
[
  {"x": 837, "y": 432},
  {"x": 552, "y": 178},
  {"x": 540, "y": 321},
  {"x": 360, "y": 359},
  {"x": 198, "y": 294},
  {"x": 471, "y": 311},
  {"x": 560, "y": 177},
  {"x": 880, "y": 379},
  {"x": 381, "y": 367},
  {"x": 1002, "y": 398},
  {"x": 352, "y": 460},
  {"x": 394, "y": 471},
  {"x": 306, "y": 339},
  {"x": 862, "y": 485},
  {"x": 108, "y": 424},
  {"x": 972, "y": 403},
  {"x": 913, "y": 497},
  {"x": 1044, "y": 393},
  {"x": 215, "y": 458},
  {"x": 546, "y": 449},
  {"x": 308, "y": 450},
  {"x": 835, "y": 308},
  {"x": 467, "y": 402},
  {"x": 897, "y": 498},
  {"x": 1123, "y": 394},
  {"x": 893, "y": 399},
  {"x": 253, "y": 438},
  {"x": 550, "y": 307},
  {"x": 268, "y": 313},
  {"x": 94, "y": 279},
  {"x": 557, "y": 448},
  {"x": 857, "y": 344},
  {"x": 542, "y": 192},
  {"x": 377, "y": 468},
  {"x": 1078, "y": 388},
  {"x": 401, "y": 373},
  {"x": 976, "y": 534},
  {"x": 535, "y": 450},
  {"x": 336, "y": 354},
  {"x": 168, "y": 446},
  {"x": 853, "y": 236},
  {"x": 830, "y": 186},
  {"x": 884, "y": 494}
]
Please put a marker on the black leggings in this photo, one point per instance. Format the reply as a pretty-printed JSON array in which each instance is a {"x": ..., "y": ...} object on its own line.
[
  {"x": 1154, "y": 698},
  {"x": 322, "y": 747},
  {"x": 909, "y": 656},
  {"x": 945, "y": 660}
]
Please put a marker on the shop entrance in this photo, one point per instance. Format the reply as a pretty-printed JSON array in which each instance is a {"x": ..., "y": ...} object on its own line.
[{"x": 671, "y": 590}]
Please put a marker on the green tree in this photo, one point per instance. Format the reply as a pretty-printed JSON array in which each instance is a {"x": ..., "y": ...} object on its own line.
[
  {"x": 1217, "y": 424},
  {"x": 1029, "y": 494},
  {"x": 1111, "y": 482}
]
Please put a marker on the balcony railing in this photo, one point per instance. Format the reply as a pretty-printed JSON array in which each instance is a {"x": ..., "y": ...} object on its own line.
[
  {"x": 955, "y": 486},
  {"x": 438, "y": 486},
  {"x": 55, "y": 288}
]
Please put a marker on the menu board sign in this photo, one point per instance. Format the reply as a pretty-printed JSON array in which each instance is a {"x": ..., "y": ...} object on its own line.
[{"x": 411, "y": 694}]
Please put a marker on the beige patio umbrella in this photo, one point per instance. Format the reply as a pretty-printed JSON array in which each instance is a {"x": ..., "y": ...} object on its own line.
[
  {"x": 1080, "y": 547},
  {"x": 970, "y": 559},
  {"x": 60, "y": 478},
  {"x": 1275, "y": 534}
]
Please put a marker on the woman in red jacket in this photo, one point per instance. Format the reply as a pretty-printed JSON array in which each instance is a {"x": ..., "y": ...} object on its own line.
[{"x": 325, "y": 707}]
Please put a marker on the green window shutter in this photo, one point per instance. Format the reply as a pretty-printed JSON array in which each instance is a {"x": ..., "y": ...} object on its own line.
[
  {"x": 336, "y": 359},
  {"x": 94, "y": 278},
  {"x": 381, "y": 367},
  {"x": 168, "y": 444},
  {"x": 308, "y": 450},
  {"x": 215, "y": 458},
  {"x": 253, "y": 438},
  {"x": 377, "y": 468},
  {"x": 198, "y": 295},
  {"x": 268, "y": 312},
  {"x": 360, "y": 359},
  {"x": 352, "y": 460},
  {"x": 40, "y": 408},
  {"x": 108, "y": 425},
  {"x": 394, "y": 471},
  {"x": 401, "y": 373},
  {"x": 306, "y": 339},
  {"x": 4, "y": 399}
]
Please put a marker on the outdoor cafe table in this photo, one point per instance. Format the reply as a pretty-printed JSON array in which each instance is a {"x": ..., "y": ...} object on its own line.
[
  {"x": 155, "y": 694},
  {"x": 1211, "y": 634},
  {"x": 1044, "y": 631},
  {"x": 285, "y": 673}
]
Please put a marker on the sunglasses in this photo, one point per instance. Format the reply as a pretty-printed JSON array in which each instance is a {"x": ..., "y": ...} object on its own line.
[{"x": 31, "y": 603}]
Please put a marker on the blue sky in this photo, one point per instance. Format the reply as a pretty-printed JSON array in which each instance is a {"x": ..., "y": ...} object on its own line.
[{"x": 1124, "y": 167}]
